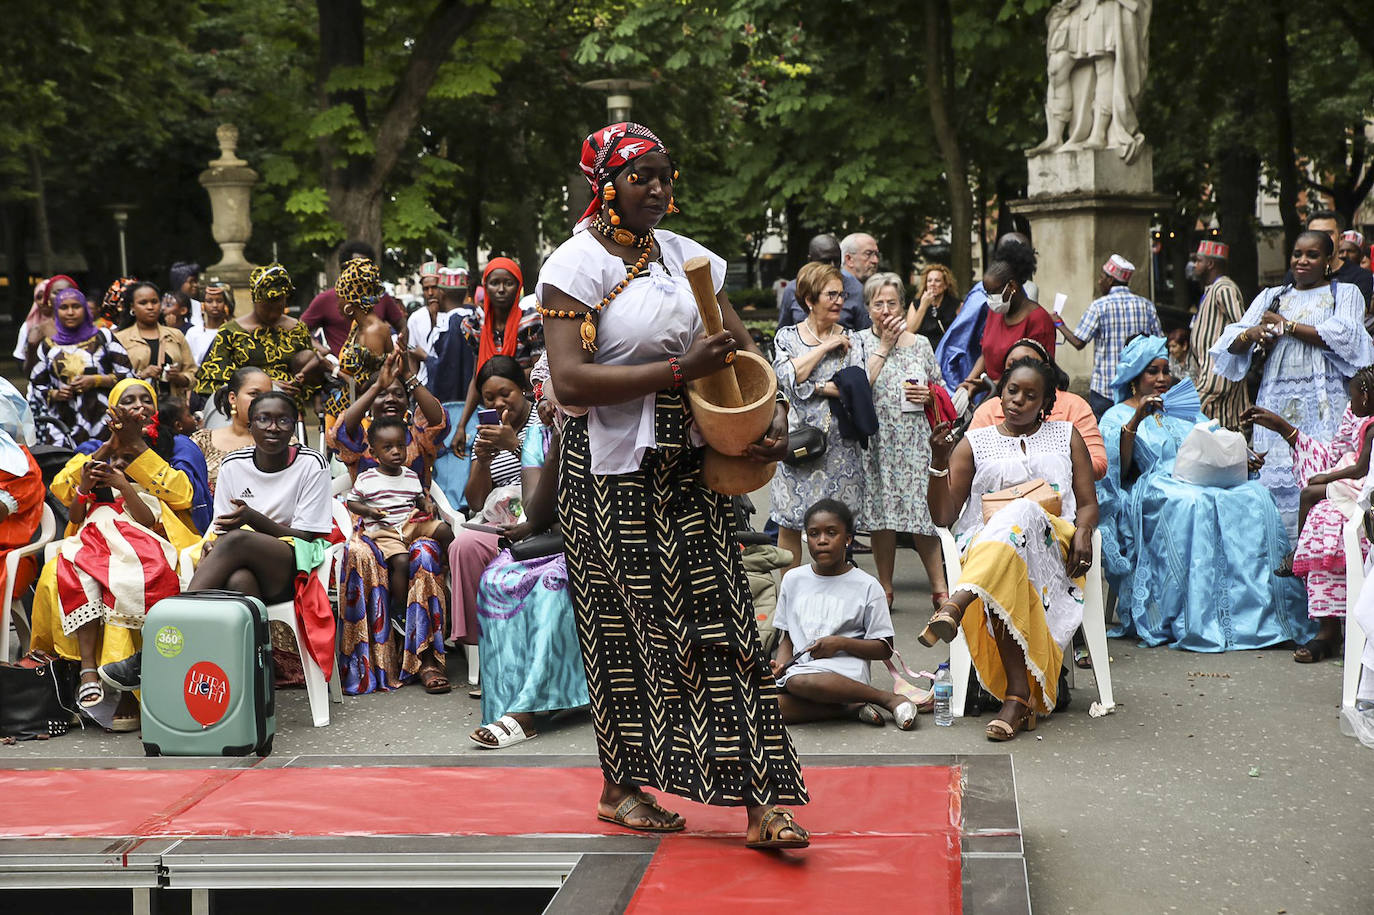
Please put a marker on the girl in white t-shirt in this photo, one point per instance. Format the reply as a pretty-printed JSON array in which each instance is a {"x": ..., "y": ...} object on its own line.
[
  {"x": 272, "y": 509},
  {"x": 836, "y": 614}
]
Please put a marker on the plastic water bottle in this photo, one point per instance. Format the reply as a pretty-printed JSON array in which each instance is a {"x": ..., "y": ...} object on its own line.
[{"x": 944, "y": 696}]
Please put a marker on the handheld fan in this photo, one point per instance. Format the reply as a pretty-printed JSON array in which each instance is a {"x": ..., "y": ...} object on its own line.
[{"x": 1181, "y": 401}]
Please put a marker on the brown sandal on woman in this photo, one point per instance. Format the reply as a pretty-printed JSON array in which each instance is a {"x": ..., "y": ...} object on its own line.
[
  {"x": 1000, "y": 730},
  {"x": 943, "y": 626},
  {"x": 775, "y": 821}
]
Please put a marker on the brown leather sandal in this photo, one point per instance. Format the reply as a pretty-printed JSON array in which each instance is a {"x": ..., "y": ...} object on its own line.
[
  {"x": 1000, "y": 730},
  {"x": 943, "y": 626},
  {"x": 775, "y": 820},
  {"x": 638, "y": 799}
]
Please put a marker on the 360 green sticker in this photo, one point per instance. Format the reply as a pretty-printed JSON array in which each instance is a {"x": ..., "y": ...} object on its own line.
[{"x": 169, "y": 641}]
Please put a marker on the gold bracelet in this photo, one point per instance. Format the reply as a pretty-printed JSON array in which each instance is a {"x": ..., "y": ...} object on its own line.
[{"x": 1128, "y": 431}]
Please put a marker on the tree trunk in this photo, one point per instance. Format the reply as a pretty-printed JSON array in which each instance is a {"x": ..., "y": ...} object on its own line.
[
  {"x": 939, "y": 65},
  {"x": 1238, "y": 178},
  {"x": 1284, "y": 158},
  {"x": 798, "y": 238},
  {"x": 41, "y": 227},
  {"x": 356, "y": 187},
  {"x": 1350, "y": 186}
]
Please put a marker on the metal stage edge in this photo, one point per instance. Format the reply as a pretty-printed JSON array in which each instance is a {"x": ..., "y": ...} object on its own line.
[{"x": 592, "y": 874}]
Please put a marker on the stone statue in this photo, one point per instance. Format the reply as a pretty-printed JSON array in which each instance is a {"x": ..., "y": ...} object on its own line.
[{"x": 1097, "y": 52}]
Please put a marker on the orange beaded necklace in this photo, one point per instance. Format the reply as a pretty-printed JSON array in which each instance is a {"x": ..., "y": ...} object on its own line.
[{"x": 588, "y": 328}]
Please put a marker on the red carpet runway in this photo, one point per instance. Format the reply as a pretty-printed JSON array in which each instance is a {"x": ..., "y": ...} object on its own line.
[{"x": 900, "y": 835}]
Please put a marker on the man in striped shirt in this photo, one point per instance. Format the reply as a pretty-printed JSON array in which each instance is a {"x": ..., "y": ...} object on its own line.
[
  {"x": 1110, "y": 322},
  {"x": 1222, "y": 304}
]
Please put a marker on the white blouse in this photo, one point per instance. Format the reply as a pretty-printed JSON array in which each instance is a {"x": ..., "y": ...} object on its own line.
[
  {"x": 1000, "y": 461},
  {"x": 653, "y": 318}
]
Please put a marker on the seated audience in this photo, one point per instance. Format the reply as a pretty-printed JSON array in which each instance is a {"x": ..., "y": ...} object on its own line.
[
  {"x": 394, "y": 393},
  {"x": 834, "y": 620},
  {"x": 1191, "y": 565},
  {"x": 73, "y": 371},
  {"x": 1331, "y": 474},
  {"x": 232, "y": 401},
  {"x": 503, "y": 325},
  {"x": 495, "y": 467},
  {"x": 130, "y": 514},
  {"x": 393, "y": 573},
  {"x": 902, "y": 370},
  {"x": 531, "y": 662},
  {"x": 1068, "y": 407},
  {"x": 21, "y": 483},
  {"x": 1022, "y": 566}
]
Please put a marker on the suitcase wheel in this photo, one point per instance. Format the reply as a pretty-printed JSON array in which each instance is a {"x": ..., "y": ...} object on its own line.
[{"x": 266, "y": 749}]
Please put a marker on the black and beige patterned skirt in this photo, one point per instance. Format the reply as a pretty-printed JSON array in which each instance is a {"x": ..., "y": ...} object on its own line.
[{"x": 682, "y": 697}]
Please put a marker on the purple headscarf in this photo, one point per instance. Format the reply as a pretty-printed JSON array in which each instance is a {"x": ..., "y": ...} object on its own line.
[{"x": 65, "y": 336}]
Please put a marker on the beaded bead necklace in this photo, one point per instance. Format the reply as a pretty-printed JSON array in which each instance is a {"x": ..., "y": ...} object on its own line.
[{"x": 588, "y": 328}]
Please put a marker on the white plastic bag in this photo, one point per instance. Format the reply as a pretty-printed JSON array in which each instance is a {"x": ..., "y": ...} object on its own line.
[{"x": 1212, "y": 456}]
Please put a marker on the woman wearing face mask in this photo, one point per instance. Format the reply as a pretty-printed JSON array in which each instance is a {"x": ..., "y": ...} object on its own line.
[
  {"x": 1012, "y": 315},
  {"x": 504, "y": 325},
  {"x": 1314, "y": 331},
  {"x": 74, "y": 370}
]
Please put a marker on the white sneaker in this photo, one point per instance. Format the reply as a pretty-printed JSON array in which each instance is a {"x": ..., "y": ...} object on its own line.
[{"x": 1359, "y": 722}]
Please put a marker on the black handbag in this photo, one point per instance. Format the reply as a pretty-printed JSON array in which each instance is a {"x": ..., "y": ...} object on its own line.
[
  {"x": 805, "y": 445},
  {"x": 538, "y": 546},
  {"x": 37, "y": 696}
]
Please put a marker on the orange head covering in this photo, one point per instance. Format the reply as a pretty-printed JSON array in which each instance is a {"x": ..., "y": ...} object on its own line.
[{"x": 486, "y": 345}]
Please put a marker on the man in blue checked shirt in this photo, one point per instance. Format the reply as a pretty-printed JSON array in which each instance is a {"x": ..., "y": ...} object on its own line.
[{"x": 1110, "y": 322}]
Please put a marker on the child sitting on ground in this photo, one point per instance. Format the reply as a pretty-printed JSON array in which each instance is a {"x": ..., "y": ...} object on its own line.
[
  {"x": 837, "y": 615},
  {"x": 394, "y": 509}
]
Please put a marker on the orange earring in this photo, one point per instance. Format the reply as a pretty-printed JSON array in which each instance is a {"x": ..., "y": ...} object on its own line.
[
  {"x": 608, "y": 193},
  {"x": 615, "y": 217},
  {"x": 672, "y": 205}
]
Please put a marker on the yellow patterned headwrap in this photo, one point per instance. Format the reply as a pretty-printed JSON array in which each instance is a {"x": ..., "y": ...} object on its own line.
[
  {"x": 360, "y": 284},
  {"x": 118, "y": 390},
  {"x": 270, "y": 281}
]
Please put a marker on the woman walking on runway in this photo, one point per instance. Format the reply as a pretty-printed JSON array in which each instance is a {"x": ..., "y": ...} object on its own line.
[{"x": 681, "y": 694}]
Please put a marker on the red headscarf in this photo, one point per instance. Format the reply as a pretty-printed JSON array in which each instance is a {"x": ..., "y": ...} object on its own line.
[
  {"x": 611, "y": 148},
  {"x": 486, "y": 345}
]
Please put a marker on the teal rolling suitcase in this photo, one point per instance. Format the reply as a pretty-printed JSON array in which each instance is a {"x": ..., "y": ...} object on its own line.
[{"x": 207, "y": 676}]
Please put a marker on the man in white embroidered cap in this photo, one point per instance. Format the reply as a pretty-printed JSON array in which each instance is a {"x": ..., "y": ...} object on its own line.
[{"x": 1110, "y": 321}]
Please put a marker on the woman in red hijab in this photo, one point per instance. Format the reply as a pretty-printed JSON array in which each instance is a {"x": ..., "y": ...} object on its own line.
[{"x": 504, "y": 325}]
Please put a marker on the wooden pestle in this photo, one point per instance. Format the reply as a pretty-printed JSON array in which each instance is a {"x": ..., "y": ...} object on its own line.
[{"x": 720, "y": 388}]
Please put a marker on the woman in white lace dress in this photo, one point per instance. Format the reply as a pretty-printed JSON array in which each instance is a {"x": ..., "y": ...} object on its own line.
[{"x": 1022, "y": 569}]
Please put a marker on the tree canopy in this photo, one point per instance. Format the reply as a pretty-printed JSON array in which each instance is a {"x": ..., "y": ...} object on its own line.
[{"x": 454, "y": 127}]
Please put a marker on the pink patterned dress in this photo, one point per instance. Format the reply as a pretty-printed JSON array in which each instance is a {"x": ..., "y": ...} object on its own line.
[{"x": 1320, "y": 556}]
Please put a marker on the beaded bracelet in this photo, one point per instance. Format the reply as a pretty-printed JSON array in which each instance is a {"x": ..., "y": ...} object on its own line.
[{"x": 677, "y": 372}]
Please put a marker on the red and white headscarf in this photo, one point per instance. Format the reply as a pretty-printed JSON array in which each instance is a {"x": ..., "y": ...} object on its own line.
[{"x": 607, "y": 151}]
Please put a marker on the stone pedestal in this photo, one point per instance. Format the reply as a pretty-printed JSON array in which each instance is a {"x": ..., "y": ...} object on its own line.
[
  {"x": 229, "y": 181},
  {"x": 1083, "y": 207}
]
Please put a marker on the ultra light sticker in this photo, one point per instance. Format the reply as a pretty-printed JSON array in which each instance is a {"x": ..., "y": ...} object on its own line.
[{"x": 206, "y": 692}]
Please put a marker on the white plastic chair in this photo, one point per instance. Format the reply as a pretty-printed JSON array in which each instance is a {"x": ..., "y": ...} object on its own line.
[
  {"x": 1354, "y": 635},
  {"x": 1094, "y": 628},
  {"x": 317, "y": 691},
  {"x": 47, "y": 529}
]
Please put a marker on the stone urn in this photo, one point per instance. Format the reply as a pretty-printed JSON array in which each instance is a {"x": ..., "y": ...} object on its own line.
[{"x": 229, "y": 182}]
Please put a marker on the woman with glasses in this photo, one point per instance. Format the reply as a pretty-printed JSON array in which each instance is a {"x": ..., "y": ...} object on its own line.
[
  {"x": 902, "y": 370},
  {"x": 272, "y": 509},
  {"x": 807, "y": 357}
]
